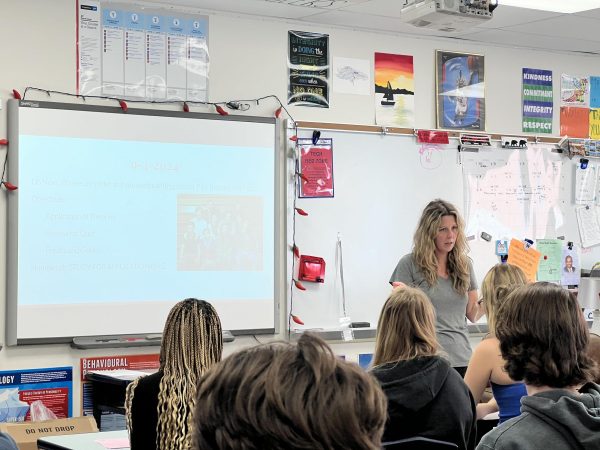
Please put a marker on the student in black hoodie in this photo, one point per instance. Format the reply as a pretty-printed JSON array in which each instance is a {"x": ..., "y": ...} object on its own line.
[{"x": 426, "y": 397}]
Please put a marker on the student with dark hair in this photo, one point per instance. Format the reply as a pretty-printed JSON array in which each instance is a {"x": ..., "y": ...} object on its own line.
[
  {"x": 544, "y": 338},
  {"x": 284, "y": 396},
  {"x": 160, "y": 406},
  {"x": 426, "y": 397}
]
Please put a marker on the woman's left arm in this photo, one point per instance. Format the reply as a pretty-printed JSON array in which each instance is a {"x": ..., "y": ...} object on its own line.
[{"x": 474, "y": 310}]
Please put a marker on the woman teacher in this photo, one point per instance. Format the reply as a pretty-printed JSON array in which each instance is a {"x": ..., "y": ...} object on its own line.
[{"x": 440, "y": 267}]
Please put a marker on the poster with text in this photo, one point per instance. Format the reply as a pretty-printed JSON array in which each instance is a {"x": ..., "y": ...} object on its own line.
[
  {"x": 594, "y": 92},
  {"x": 574, "y": 122},
  {"x": 129, "y": 51},
  {"x": 308, "y": 69},
  {"x": 316, "y": 168},
  {"x": 36, "y": 394},
  {"x": 460, "y": 91},
  {"x": 394, "y": 90},
  {"x": 574, "y": 90},
  {"x": 145, "y": 363},
  {"x": 594, "y": 123},
  {"x": 538, "y": 101}
]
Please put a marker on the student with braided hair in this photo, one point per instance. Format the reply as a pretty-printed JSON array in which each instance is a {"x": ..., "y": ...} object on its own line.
[{"x": 160, "y": 407}]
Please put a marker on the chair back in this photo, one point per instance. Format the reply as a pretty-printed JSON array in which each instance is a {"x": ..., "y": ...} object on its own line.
[{"x": 418, "y": 443}]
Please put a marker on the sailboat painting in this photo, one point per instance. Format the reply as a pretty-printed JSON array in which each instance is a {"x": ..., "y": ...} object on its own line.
[{"x": 394, "y": 90}]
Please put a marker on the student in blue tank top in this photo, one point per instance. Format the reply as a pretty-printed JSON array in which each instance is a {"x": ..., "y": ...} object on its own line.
[{"x": 486, "y": 365}]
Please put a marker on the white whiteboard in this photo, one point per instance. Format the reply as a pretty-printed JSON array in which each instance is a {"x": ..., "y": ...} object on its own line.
[{"x": 382, "y": 183}]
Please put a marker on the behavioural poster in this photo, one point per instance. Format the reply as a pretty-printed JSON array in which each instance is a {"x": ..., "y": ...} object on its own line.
[
  {"x": 36, "y": 394},
  {"x": 460, "y": 91},
  {"x": 394, "y": 90},
  {"x": 308, "y": 69},
  {"x": 149, "y": 363},
  {"x": 538, "y": 101}
]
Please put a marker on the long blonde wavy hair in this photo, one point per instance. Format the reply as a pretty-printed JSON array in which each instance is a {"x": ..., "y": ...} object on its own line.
[
  {"x": 500, "y": 281},
  {"x": 424, "y": 246},
  {"x": 406, "y": 327},
  {"x": 192, "y": 343}
]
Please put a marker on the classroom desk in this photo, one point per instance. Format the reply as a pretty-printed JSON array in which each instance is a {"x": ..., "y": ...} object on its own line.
[
  {"x": 85, "y": 441},
  {"x": 109, "y": 394}
]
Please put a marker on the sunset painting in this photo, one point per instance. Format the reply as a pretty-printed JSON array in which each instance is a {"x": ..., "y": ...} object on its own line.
[{"x": 394, "y": 90}]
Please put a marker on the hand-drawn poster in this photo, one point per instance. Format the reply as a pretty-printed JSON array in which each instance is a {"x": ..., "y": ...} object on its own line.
[
  {"x": 574, "y": 90},
  {"x": 308, "y": 69},
  {"x": 538, "y": 101},
  {"x": 513, "y": 192},
  {"x": 394, "y": 90},
  {"x": 570, "y": 267},
  {"x": 351, "y": 76},
  {"x": 574, "y": 122},
  {"x": 316, "y": 168},
  {"x": 460, "y": 91}
]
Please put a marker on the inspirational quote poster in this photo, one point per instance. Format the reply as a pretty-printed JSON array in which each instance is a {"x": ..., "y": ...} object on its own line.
[{"x": 308, "y": 69}]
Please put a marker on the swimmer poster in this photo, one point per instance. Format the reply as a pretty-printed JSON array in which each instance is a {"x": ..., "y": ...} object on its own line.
[
  {"x": 460, "y": 91},
  {"x": 538, "y": 101}
]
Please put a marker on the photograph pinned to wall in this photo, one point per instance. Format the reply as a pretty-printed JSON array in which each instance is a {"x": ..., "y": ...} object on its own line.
[
  {"x": 460, "y": 91},
  {"x": 571, "y": 268},
  {"x": 537, "y": 101},
  {"x": 351, "y": 76},
  {"x": 574, "y": 122},
  {"x": 394, "y": 90},
  {"x": 574, "y": 90},
  {"x": 308, "y": 69},
  {"x": 316, "y": 168}
]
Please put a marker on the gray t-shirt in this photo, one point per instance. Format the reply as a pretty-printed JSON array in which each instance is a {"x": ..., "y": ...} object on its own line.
[{"x": 450, "y": 308}]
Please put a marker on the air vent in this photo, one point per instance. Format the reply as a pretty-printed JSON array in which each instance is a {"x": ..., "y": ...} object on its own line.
[{"x": 421, "y": 23}]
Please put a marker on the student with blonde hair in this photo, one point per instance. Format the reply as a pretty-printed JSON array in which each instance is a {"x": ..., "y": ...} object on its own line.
[
  {"x": 426, "y": 397},
  {"x": 487, "y": 365},
  {"x": 160, "y": 406},
  {"x": 285, "y": 396},
  {"x": 439, "y": 265}
]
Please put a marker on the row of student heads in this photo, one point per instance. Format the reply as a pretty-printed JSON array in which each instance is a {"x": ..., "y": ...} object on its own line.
[{"x": 302, "y": 396}]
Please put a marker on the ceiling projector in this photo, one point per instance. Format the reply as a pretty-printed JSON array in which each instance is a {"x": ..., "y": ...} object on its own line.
[{"x": 447, "y": 15}]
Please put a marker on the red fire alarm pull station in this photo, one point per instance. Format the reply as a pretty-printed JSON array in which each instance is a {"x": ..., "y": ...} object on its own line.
[{"x": 311, "y": 268}]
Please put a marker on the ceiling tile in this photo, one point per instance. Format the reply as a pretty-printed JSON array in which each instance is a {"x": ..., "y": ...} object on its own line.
[
  {"x": 505, "y": 16},
  {"x": 566, "y": 26},
  {"x": 532, "y": 41}
]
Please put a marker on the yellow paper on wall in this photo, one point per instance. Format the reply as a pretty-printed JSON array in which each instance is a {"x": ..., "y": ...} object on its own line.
[
  {"x": 528, "y": 259},
  {"x": 594, "y": 123}
]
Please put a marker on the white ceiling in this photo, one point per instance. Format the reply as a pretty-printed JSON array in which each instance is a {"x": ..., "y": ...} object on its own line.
[{"x": 510, "y": 26}]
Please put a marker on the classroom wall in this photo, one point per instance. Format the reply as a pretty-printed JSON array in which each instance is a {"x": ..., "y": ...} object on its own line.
[{"x": 248, "y": 60}]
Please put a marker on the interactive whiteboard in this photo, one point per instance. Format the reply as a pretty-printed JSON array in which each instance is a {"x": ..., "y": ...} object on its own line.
[{"x": 120, "y": 215}]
